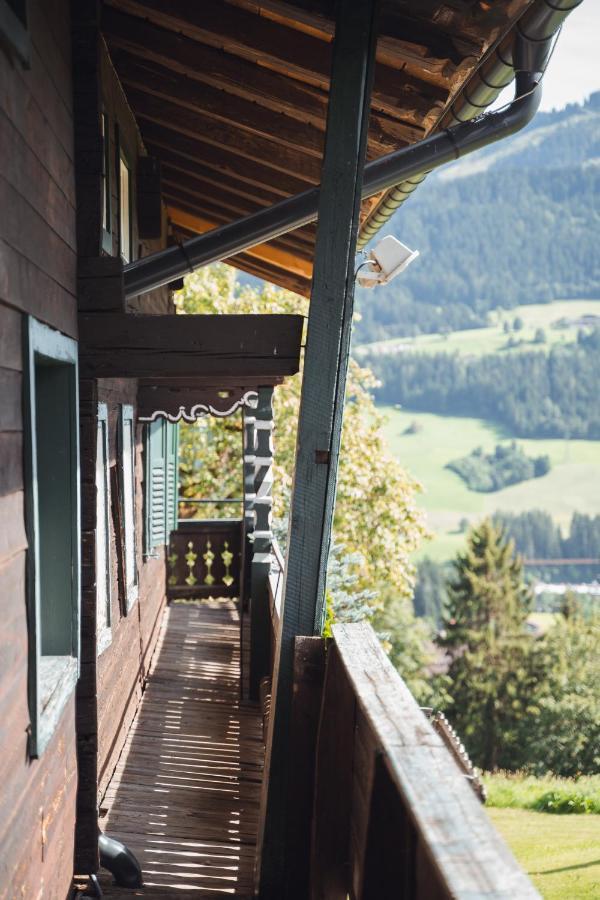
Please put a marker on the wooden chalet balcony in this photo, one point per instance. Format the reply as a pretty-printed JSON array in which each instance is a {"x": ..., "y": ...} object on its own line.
[{"x": 378, "y": 806}]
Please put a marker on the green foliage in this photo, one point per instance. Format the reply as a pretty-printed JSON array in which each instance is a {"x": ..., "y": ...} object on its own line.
[
  {"x": 548, "y": 793},
  {"x": 429, "y": 597},
  {"x": 505, "y": 227},
  {"x": 508, "y": 464},
  {"x": 518, "y": 702},
  {"x": 377, "y": 524},
  {"x": 409, "y": 644},
  {"x": 494, "y": 675},
  {"x": 537, "y": 536},
  {"x": 564, "y": 737},
  {"x": 533, "y": 393}
]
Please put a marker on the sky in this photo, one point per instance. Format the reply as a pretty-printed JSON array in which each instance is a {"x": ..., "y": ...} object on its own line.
[{"x": 574, "y": 70}]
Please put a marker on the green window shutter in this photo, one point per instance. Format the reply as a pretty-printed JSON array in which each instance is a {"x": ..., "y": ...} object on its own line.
[
  {"x": 155, "y": 484},
  {"x": 127, "y": 451},
  {"x": 172, "y": 472}
]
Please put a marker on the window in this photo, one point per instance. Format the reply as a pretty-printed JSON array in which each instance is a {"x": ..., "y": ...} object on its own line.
[
  {"x": 124, "y": 209},
  {"x": 14, "y": 32},
  {"x": 106, "y": 185},
  {"x": 103, "y": 554},
  {"x": 127, "y": 486},
  {"x": 160, "y": 483},
  {"x": 52, "y": 516}
]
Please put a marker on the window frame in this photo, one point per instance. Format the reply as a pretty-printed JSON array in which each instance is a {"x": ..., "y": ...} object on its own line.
[
  {"x": 15, "y": 32},
  {"x": 103, "y": 530},
  {"x": 127, "y": 468},
  {"x": 123, "y": 161},
  {"x": 42, "y": 341},
  {"x": 107, "y": 236}
]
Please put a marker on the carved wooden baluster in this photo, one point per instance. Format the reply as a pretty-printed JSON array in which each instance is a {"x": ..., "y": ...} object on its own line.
[
  {"x": 227, "y": 557},
  {"x": 209, "y": 558},
  {"x": 190, "y": 559},
  {"x": 260, "y": 617}
]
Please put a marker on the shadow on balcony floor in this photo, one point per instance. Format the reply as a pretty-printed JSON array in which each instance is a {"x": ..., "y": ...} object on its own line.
[{"x": 185, "y": 794}]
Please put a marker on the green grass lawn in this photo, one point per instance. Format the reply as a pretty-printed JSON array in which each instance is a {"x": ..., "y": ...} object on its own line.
[
  {"x": 573, "y": 484},
  {"x": 561, "y": 854},
  {"x": 478, "y": 341}
]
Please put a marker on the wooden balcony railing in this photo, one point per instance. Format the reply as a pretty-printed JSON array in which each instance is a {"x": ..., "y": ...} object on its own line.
[
  {"x": 378, "y": 807},
  {"x": 205, "y": 558}
]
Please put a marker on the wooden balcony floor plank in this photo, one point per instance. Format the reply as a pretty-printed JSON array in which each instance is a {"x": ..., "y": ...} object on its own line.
[{"x": 185, "y": 793}]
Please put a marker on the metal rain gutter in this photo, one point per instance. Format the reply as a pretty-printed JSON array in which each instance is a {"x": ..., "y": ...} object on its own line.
[
  {"x": 532, "y": 47},
  {"x": 536, "y": 29}
]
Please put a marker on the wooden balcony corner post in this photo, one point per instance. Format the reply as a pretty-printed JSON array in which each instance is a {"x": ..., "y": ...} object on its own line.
[
  {"x": 260, "y": 615},
  {"x": 249, "y": 495},
  {"x": 321, "y": 406}
]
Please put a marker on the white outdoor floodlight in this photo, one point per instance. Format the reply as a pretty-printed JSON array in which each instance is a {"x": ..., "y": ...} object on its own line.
[{"x": 386, "y": 260}]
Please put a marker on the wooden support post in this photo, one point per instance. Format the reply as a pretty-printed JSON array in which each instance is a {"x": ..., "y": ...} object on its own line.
[
  {"x": 321, "y": 408},
  {"x": 249, "y": 467},
  {"x": 249, "y": 495},
  {"x": 260, "y": 614}
]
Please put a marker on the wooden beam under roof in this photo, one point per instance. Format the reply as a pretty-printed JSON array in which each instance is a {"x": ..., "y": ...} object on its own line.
[
  {"x": 122, "y": 345},
  {"x": 194, "y": 124},
  {"x": 277, "y": 47},
  {"x": 385, "y": 133},
  {"x": 160, "y": 138},
  {"x": 295, "y": 243},
  {"x": 174, "y": 166},
  {"x": 160, "y": 81},
  {"x": 417, "y": 58},
  {"x": 214, "y": 67},
  {"x": 299, "y": 242},
  {"x": 252, "y": 265},
  {"x": 178, "y": 54},
  {"x": 267, "y": 253}
]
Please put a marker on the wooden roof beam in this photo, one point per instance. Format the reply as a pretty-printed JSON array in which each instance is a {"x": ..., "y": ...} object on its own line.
[
  {"x": 386, "y": 133},
  {"x": 214, "y": 67},
  {"x": 160, "y": 139},
  {"x": 414, "y": 57},
  {"x": 121, "y": 345},
  {"x": 195, "y": 124},
  {"x": 160, "y": 81},
  {"x": 279, "y": 48}
]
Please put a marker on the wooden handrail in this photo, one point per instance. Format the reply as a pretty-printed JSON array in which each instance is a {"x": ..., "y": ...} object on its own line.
[{"x": 393, "y": 815}]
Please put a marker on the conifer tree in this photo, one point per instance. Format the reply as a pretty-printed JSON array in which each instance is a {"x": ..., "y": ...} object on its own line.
[{"x": 495, "y": 672}]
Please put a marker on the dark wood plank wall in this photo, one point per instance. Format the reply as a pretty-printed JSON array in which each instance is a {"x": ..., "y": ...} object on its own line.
[
  {"x": 122, "y": 668},
  {"x": 37, "y": 276},
  {"x": 111, "y": 685},
  {"x": 118, "y": 110}
]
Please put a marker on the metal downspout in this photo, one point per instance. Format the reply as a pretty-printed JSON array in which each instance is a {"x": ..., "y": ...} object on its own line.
[{"x": 404, "y": 168}]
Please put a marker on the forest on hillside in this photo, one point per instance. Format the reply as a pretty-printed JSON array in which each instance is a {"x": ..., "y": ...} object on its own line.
[
  {"x": 533, "y": 394},
  {"x": 521, "y": 229}
]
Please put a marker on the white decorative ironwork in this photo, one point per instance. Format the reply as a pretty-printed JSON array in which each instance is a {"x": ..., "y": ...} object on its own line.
[{"x": 200, "y": 410}]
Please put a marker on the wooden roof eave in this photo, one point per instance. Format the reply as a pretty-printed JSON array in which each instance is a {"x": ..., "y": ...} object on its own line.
[{"x": 234, "y": 96}]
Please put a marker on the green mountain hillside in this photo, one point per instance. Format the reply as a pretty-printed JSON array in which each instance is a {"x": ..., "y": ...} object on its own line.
[{"x": 516, "y": 223}]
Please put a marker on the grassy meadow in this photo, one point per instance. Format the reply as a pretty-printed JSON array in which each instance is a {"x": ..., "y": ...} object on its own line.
[
  {"x": 573, "y": 482},
  {"x": 559, "y": 853},
  {"x": 477, "y": 341}
]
